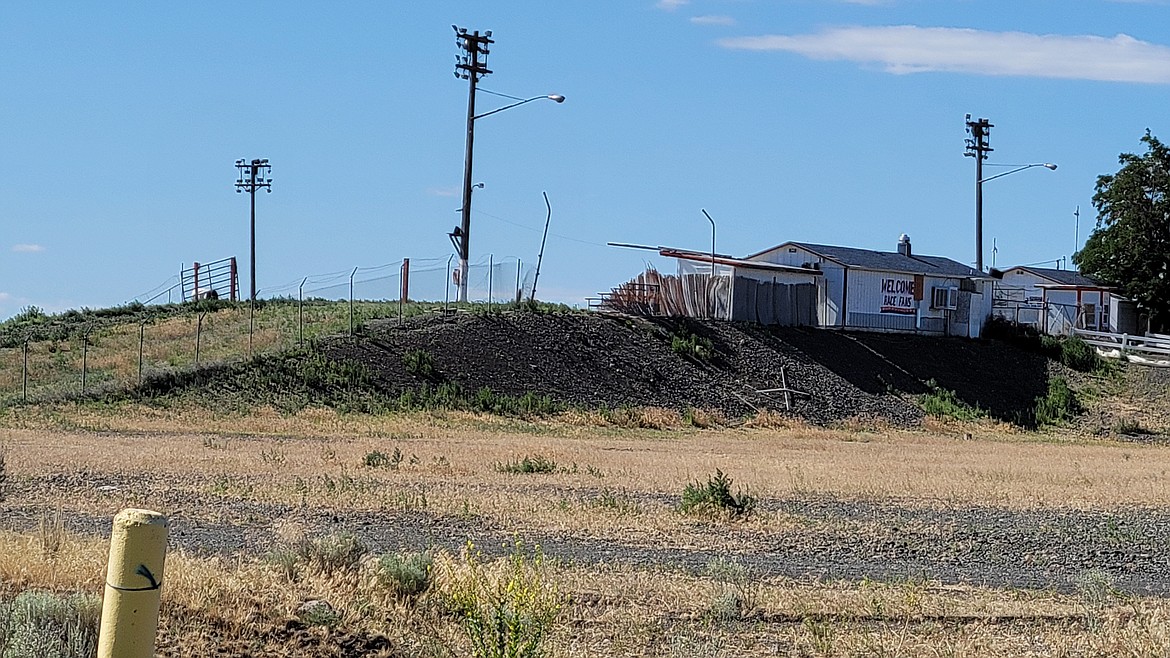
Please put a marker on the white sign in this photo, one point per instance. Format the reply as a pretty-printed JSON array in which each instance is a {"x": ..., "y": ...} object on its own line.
[{"x": 898, "y": 296}]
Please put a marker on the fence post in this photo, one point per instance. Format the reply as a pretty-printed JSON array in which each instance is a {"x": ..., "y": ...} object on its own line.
[
  {"x": 24, "y": 372},
  {"x": 138, "y": 549},
  {"x": 519, "y": 290},
  {"x": 84, "y": 360},
  {"x": 447, "y": 287},
  {"x": 301, "y": 312},
  {"x": 141, "y": 340},
  {"x": 351, "y": 275},
  {"x": 198, "y": 336},
  {"x": 491, "y": 266},
  {"x": 404, "y": 281},
  {"x": 251, "y": 323}
]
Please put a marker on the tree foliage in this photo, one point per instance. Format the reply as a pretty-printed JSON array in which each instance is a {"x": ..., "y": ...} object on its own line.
[{"x": 1130, "y": 246}]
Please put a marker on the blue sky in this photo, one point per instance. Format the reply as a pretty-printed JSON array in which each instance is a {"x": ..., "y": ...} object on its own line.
[{"x": 812, "y": 120}]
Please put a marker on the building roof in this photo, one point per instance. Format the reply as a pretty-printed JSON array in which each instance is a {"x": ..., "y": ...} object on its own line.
[
  {"x": 720, "y": 259},
  {"x": 885, "y": 261},
  {"x": 1060, "y": 277}
]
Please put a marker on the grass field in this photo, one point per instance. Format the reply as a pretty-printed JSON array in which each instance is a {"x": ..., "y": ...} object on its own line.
[{"x": 273, "y": 510}]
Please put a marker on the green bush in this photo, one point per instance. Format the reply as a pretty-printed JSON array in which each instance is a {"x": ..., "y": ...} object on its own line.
[
  {"x": 47, "y": 625},
  {"x": 420, "y": 363},
  {"x": 1058, "y": 406},
  {"x": 379, "y": 459},
  {"x": 529, "y": 464},
  {"x": 405, "y": 575},
  {"x": 716, "y": 497},
  {"x": 328, "y": 555},
  {"x": 1079, "y": 355},
  {"x": 945, "y": 403},
  {"x": 506, "y": 609},
  {"x": 688, "y": 344}
]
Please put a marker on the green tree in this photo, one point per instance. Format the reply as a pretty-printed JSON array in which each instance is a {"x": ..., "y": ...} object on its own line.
[{"x": 1130, "y": 246}]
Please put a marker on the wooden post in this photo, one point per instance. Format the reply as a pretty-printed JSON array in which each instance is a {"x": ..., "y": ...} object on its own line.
[
  {"x": 787, "y": 393},
  {"x": 24, "y": 372},
  {"x": 134, "y": 576},
  {"x": 198, "y": 336},
  {"x": 84, "y": 361}
]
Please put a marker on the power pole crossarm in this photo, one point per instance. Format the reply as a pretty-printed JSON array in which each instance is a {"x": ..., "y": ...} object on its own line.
[{"x": 978, "y": 146}]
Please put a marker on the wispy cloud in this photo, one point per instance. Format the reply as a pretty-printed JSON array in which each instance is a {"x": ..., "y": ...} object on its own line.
[
  {"x": 443, "y": 191},
  {"x": 671, "y": 5},
  {"x": 713, "y": 20},
  {"x": 27, "y": 248},
  {"x": 912, "y": 49},
  {"x": 4, "y": 297}
]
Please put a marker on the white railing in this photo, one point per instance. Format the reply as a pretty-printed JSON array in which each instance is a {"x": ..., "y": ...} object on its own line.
[{"x": 1151, "y": 349}]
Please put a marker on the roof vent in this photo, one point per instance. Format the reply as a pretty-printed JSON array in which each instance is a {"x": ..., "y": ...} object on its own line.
[{"x": 904, "y": 245}]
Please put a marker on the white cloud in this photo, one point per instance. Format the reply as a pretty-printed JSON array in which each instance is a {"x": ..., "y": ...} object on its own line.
[
  {"x": 4, "y": 297},
  {"x": 443, "y": 191},
  {"x": 27, "y": 248},
  {"x": 713, "y": 20},
  {"x": 912, "y": 49},
  {"x": 671, "y": 5}
]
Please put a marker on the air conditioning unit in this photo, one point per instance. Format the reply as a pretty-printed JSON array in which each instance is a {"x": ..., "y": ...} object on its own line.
[{"x": 945, "y": 297}]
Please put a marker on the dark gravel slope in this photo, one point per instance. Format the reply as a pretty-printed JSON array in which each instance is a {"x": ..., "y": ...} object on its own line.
[{"x": 599, "y": 361}]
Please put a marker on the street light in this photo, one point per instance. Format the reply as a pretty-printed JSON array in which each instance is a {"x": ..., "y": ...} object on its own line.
[
  {"x": 253, "y": 176},
  {"x": 979, "y": 201},
  {"x": 471, "y": 66},
  {"x": 710, "y": 303}
]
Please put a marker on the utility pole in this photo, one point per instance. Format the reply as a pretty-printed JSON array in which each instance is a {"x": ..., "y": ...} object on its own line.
[
  {"x": 253, "y": 176},
  {"x": 978, "y": 146},
  {"x": 470, "y": 65}
]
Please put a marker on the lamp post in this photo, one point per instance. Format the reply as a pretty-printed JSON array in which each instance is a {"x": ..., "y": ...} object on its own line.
[
  {"x": 710, "y": 301},
  {"x": 253, "y": 176},
  {"x": 471, "y": 66},
  {"x": 979, "y": 202},
  {"x": 978, "y": 146}
]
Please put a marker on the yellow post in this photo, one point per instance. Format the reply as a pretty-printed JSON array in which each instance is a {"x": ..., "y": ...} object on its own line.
[{"x": 138, "y": 547}]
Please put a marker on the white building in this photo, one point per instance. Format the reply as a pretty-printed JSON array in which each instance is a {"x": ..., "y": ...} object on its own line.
[
  {"x": 897, "y": 291},
  {"x": 1058, "y": 301}
]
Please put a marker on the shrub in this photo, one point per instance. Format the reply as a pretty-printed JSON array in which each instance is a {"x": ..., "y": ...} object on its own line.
[
  {"x": 1059, "y": 406},
  {"x": 47, "y": 625},
  {"x": 3, "y": 470},
  {"x": 419, "y": 363},
  {"x": 945, "y": 403},
  {"x": 1079, "y": 355},
  {"x": 507, "y": 608},
  {"x": 326, "y": 555},
  {"x": 715, "y": 497},
  {"x": 379, "y": 459},
  {"x": 688, "y": 344},
  {"x": 529, "y": 464},
  {"x": 405, "y": 575}
]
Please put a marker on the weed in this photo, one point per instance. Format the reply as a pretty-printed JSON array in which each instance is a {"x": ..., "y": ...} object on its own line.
[
  {"x": 3, "y": 470},
  {"x": 529, "y": 464},
  {"x": 405, "y": 575},
  {"x": 821, "y": 633},
  {"x": 715, "y": 497},
  {"x": 1079, "y": 355},
  {"x": 944, "y": 403},
  {"x": 507, "y": 608},
  {"x": 737, "y": 590},
  {"x": 51, "y": 532},
  {"x": 331, "y": 554},
  {"x": 420, "y": 363},
  {"x": 319, "y": 613},
  {"x": 1127, "y": 426},
  {"x": 379, "y": 459},
  {"x": 1095, "y": 587},
  {"x": 687, "y": 646},
  {"x": 689, "y": 344},
  {"x": 37, "y": 623},
  {"x": 619, "y": 502},
  {"x": 1058, "y": 406},
  {"x": 274, "y": 456}
]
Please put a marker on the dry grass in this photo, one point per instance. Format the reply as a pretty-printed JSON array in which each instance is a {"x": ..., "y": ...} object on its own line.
[
  {"x": 610, "y": 483},
  {"x": 210, "y": 604}
]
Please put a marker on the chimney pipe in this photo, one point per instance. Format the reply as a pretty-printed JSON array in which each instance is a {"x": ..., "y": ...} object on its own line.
[{"x": 904, "y": 245}]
